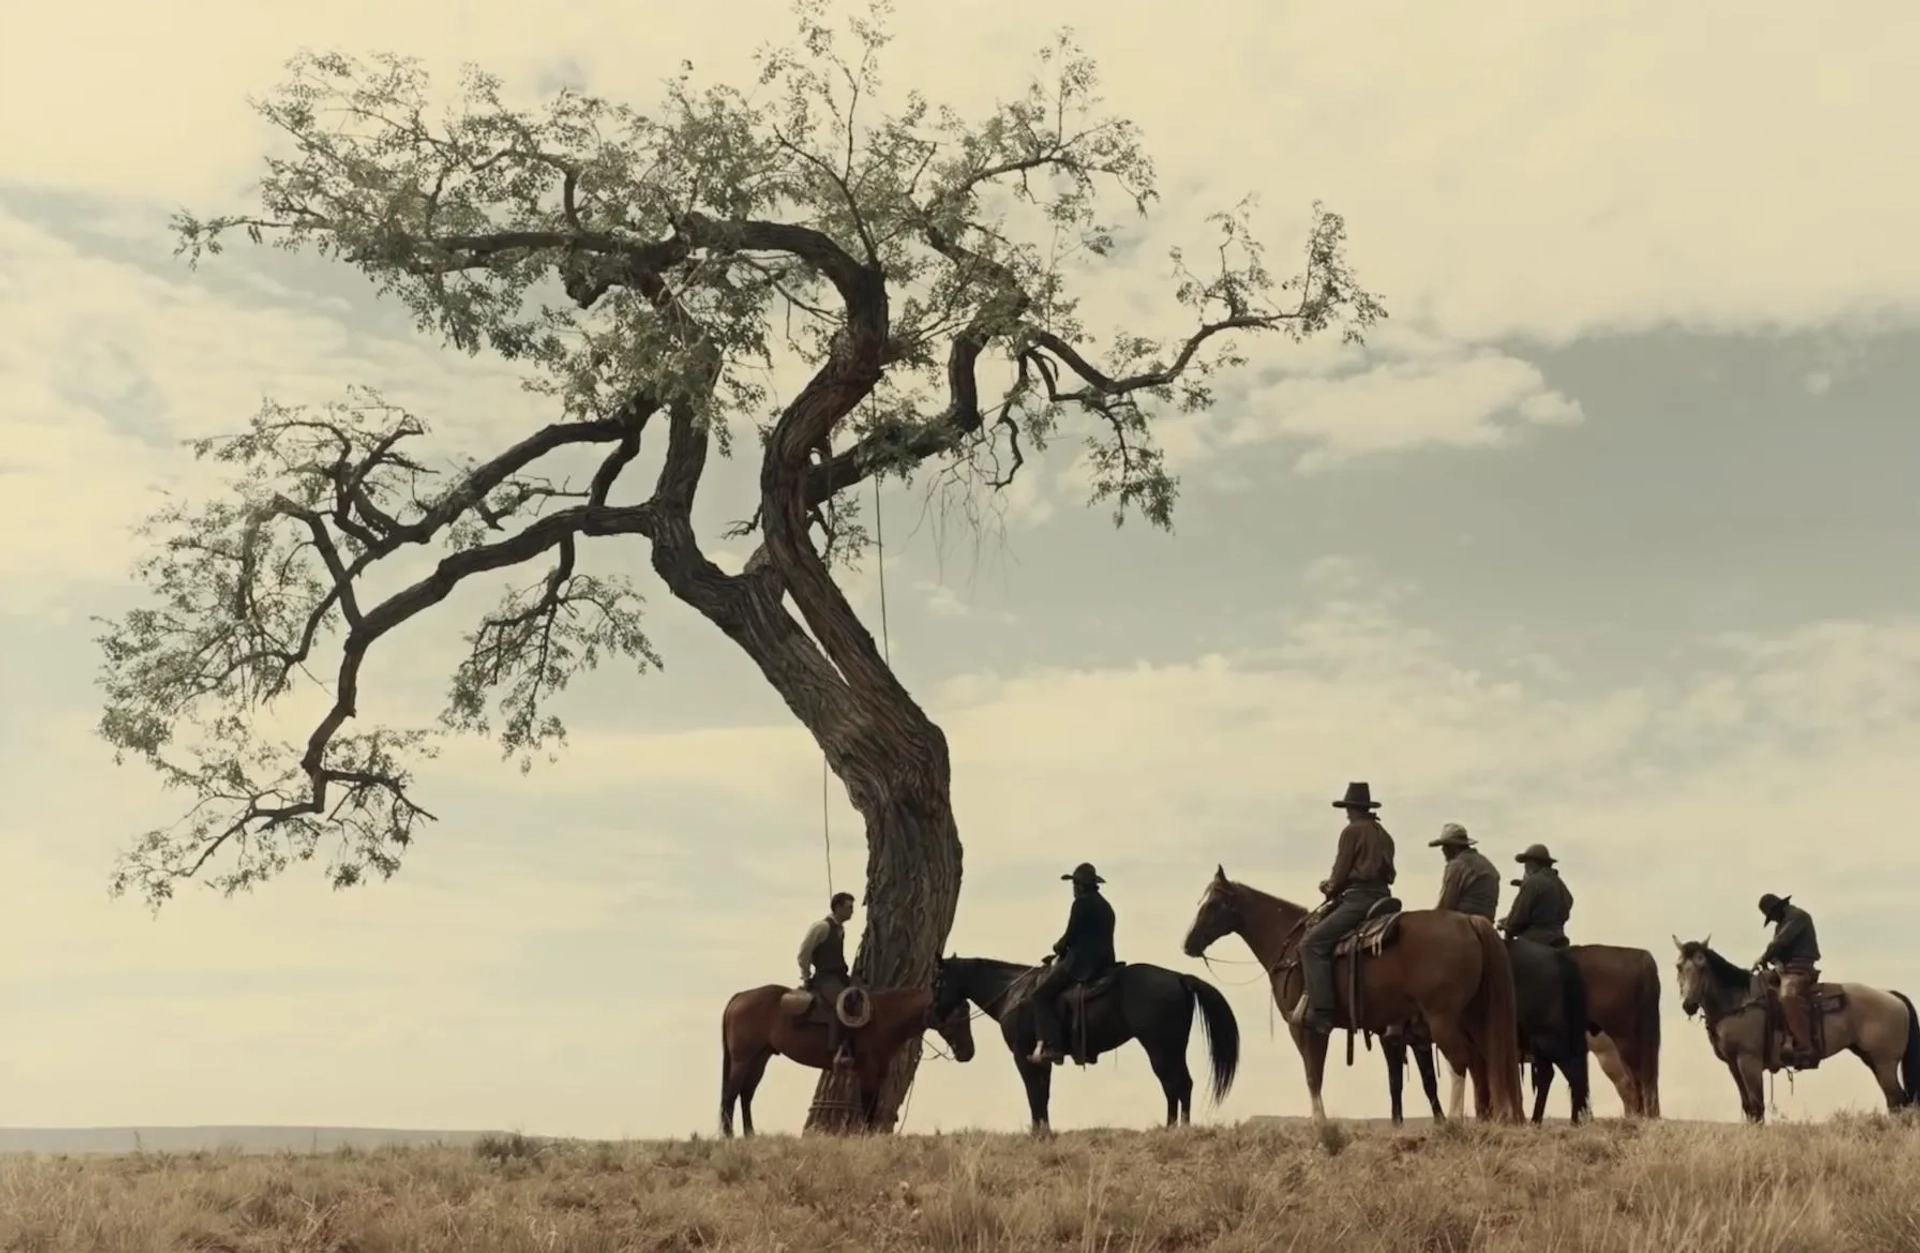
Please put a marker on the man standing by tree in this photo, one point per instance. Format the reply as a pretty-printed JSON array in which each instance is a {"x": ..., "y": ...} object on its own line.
[
  {"x": 1362, "y": 877},
  {"x": 1082, "y": 954},
  {"x": 1469, "y": 884},
  {"x": 824, "y": 972},
  {"x": 705, "y": 244}
]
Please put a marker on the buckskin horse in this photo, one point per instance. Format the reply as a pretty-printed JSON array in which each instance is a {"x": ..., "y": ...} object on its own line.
[
  {"x": 1134, "y": 1001},
  {"x": 1748, "y": 1031},
  {"x": 755, "y": 1027},
  {"x": 1449, "y": 968}
]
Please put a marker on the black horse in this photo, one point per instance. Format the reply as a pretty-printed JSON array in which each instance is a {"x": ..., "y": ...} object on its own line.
[
  {"x": 1135, "y": 1001},
  {"x": 1551, "y": 995}
]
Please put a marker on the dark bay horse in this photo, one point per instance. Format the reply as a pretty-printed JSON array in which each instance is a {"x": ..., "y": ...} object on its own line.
[
  {"x": 1150, "y": 1004},
  {"x": 1448, "y": 968},
  {"x": 1623, "y": 1023},
  {"x": 1878, "y": 1026},
  {"x": 755, "y": 1026}
]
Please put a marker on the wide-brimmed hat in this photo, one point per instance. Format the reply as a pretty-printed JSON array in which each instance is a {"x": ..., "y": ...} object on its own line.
[
  {"x": 1084, "y": 873},
  {"x": 1536, "y": 853},
  {"x": 1359, "y": 796},
  {"x": 1453, "y": 835},
  {"x": 1771, "y": 904}
]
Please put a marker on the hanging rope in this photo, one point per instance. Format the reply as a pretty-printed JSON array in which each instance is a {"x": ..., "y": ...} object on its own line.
[{"x": 886, "y": 652}]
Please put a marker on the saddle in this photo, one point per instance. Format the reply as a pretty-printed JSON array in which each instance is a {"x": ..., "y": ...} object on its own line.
[
  {"x": 1375, "y": 934},
  {"x": 852, "y": 1006},
  {"x": 1073, "y": 1012},
  {"x": 1378, "y": 932}
]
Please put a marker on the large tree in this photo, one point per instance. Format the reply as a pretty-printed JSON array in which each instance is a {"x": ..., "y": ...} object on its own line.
[{"x": 650, "y": 273}]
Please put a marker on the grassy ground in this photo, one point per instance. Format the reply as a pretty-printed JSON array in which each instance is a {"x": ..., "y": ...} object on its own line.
[{"x": 1853, "y": 1184}]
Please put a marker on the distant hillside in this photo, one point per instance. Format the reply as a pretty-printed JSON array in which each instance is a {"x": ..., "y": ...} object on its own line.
[{"x": 189, "y": 1139}]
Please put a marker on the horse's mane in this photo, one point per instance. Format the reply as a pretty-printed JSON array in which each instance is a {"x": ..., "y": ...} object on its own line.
[
  {"x": 1263, "y": 898},
  {"x": 1018, "y": 977},
  {"x": 1723, "y": 972}
]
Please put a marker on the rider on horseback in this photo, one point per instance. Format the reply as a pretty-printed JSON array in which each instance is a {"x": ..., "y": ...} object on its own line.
[
  {"x": 1543, "y": 904},
  {"x": 1795, "y": 951},
  {"x": 1362, "y": 875},
  {"x": 1469, "y": 884},
  {"x": 1082, "y": 954},
  {"x": 823, "y": 971}
]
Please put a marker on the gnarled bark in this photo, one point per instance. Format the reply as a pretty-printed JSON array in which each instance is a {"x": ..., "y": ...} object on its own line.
[{"x": 913, "y": 874}]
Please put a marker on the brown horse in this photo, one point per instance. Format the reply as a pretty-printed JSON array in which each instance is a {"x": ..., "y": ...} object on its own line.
[
  {"x": 1449, "y": 968},
  {"x": 755, "y": 1026},
  {"x": 1623, "y": 1034},
  {"x": 1879, "y": 1027}
]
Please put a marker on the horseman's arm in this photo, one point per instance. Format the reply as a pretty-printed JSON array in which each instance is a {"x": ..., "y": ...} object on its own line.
[
  {"x": 1520, "y": 913},
  {"x": 1789, "y": 933},
  {"x": 815, "y": 934},
  {"x": 1079, "y": 920},
  {"x": 1343, "y": 858},
  {"x": 1453, "y": 881}
]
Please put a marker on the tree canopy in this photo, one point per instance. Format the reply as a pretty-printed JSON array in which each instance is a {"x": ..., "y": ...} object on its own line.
[{"x": 646, "y": 270}]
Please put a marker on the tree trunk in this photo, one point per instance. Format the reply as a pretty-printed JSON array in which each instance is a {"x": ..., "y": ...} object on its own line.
[{"x": 913, "y": 891}]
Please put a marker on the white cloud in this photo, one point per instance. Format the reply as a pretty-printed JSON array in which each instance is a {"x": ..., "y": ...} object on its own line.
[{"x": 1453, "y": 399}]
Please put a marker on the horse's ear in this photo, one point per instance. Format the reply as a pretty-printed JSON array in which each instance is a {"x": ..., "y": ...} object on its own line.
[
  {"x": 1220, "y": 872},
  {"x": 1676, "y": 942},
  {"x": 1708, "y": 942}
]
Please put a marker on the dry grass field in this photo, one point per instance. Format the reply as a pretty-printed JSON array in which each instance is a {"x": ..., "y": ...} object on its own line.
[{"x": 1853, "y": 1184}]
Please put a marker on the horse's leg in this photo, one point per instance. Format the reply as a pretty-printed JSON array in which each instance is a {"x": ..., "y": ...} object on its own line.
[
  {"x": 746, "y": 1081},
  {"x": 1464, "y": 1059},
  {"x": 1456, "y": 1090},
  {"x": 1613, "y": 1066},
  {"x": 1170, "y": 1068},
  {"x": 1038, "y": 1081},
  {"x": 1542, "y": 1070},
  {"x": 1886, "y": 1073},
  {"x": 1752, "y": 1080},
  {"x": 1313, "y": 1059},
  {"x": 1429, "y": 1081},
  {"x": 1396, "y": 1050}
]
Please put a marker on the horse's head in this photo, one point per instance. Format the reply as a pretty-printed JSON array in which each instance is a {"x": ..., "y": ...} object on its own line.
[
  {"x": 948, "y": 1012},
  {"x": 1692, "y": 969},
  {"x": 1219, "y": 914}
]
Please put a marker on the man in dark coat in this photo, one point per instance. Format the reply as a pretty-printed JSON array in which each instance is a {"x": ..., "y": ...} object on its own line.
[
  {"x": 1795, "y": 950},
  {"x": 824, "y": 972},
  {"x": 1469, "y": 884},
  {"x": 1362, "y": 877},
  {"x": 1543, "y": 905},
  {"x": 1082, "y": 954}
]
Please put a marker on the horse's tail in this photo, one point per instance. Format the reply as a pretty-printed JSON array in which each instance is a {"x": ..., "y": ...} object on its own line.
[
  {"x": 1499, "y": 1026},
  {"x": 1647, "y": 1074},
  {"x": 1573, "y": 1031},
  {"x": 1223, "y": 1033},
  {"x": 1910, "y": 1059}
]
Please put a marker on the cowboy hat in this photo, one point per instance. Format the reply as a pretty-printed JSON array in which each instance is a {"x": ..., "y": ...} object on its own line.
[
  {"x": 1359, "y": 796},
  {"x": 1084, "y": 873},
  {"x": 1536, "y": 853},
  {"x": 1452, "y": 834}
]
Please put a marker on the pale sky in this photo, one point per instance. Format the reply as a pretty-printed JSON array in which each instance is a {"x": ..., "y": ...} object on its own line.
[{"x": 1598, "y": 544}]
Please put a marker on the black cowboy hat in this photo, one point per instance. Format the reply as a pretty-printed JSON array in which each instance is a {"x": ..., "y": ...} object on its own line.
[
  {"x": 1359, "y": 796},
  {"x": 1084, "y": 873},
  {"x": 1771, "y": 904},
  {"x": 1536, "y": 853}
]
